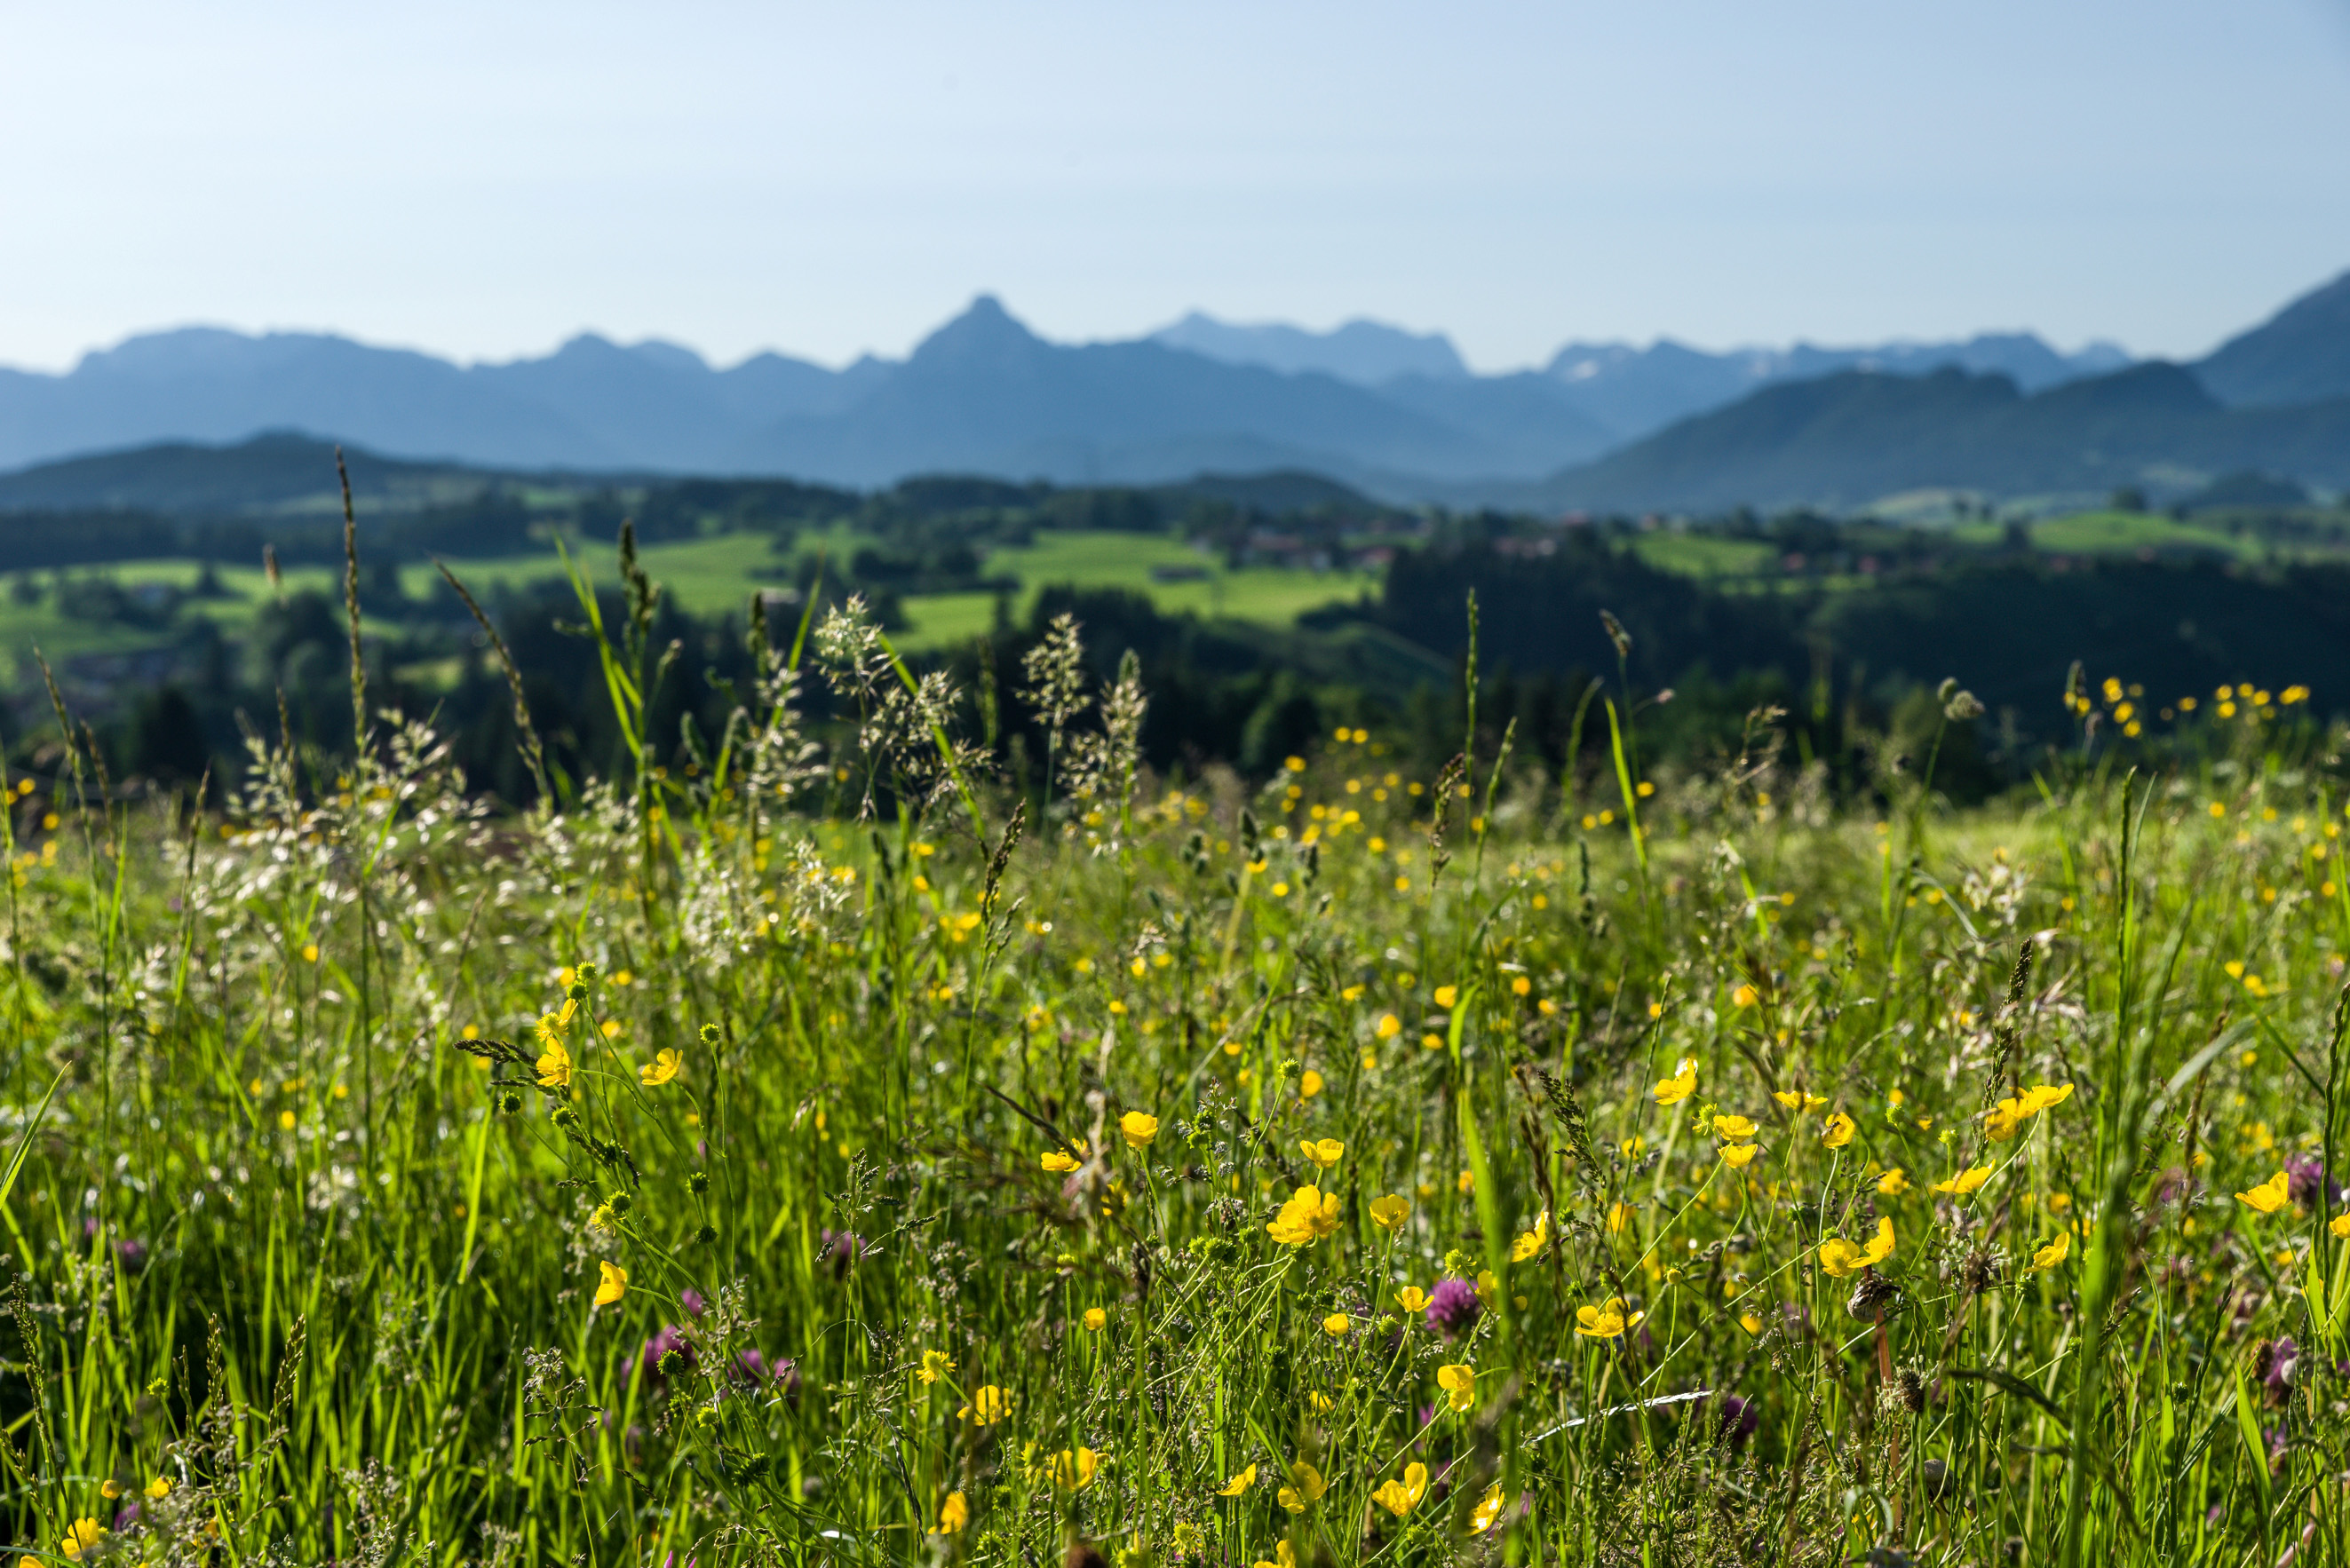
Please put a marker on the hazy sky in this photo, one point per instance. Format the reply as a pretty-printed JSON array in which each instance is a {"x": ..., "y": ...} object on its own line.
[{"x": 483, "y": 179}]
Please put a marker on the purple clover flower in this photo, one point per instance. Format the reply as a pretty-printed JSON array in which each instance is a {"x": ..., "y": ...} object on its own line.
[
  {"x": 1453, "y": 1306},
  {"x": 2305, "y": 1180}
]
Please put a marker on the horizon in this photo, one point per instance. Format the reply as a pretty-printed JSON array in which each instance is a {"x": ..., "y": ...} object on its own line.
[
  {"x": 716, "y": 363},
  {"x": 478, "y": 183}
]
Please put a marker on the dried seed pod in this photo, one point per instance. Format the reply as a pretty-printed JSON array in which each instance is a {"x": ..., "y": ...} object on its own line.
[{"x": 1870, "y": 1294}]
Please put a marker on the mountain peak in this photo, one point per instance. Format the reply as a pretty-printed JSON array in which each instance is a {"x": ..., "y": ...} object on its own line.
[{"x": 984, "y": 331}]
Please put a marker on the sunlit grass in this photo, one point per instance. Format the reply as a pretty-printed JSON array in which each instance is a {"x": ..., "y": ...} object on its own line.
[{"x": 1382, "y": 1168}]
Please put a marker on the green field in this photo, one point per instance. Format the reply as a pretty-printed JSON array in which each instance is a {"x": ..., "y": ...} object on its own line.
[
  {"x": 1341, "y": 1170},
  {"x": 717, "y": 575}
]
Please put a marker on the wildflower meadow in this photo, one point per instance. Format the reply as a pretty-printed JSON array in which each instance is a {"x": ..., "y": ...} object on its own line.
[{"x": 835, "y": 1147}]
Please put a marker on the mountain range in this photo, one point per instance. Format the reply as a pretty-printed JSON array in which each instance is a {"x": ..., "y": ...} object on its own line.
[{"x": 1397, "y": 413}]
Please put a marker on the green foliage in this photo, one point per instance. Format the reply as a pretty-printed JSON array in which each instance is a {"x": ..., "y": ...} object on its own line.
[{"x": 806, "y": 1155}]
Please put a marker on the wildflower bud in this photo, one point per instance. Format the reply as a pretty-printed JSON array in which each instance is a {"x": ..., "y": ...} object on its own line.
[
  {"x": 1909, "y": 1390},
  {"x": 707, "y": 1234},
  {"x": 510, "y": 1103},
  {"x": 711, "y": 1037},
  {"x": 698, "y": 1183},
  {"x": 579, "y": 992},
  {"x": 586, "y": 975},
  {"x": 620, "y": 1203},
  {"x": 672, "y": 1364},
  {"x": 565, "y": 1117}
]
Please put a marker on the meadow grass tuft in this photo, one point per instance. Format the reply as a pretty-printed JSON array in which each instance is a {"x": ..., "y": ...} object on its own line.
[{"x": 792, "y": 1154}]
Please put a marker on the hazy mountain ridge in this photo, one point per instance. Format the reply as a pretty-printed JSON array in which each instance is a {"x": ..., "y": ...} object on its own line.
[
  {"x": 1844, "y": 440},
  {"x": 1394, "y": 413}
]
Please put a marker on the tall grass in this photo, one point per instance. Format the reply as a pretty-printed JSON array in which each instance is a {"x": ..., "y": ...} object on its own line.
[{"x": 1342, "y": 1170}]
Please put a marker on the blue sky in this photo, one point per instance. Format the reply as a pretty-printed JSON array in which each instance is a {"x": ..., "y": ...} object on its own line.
[{"x": 483, "y": 179}]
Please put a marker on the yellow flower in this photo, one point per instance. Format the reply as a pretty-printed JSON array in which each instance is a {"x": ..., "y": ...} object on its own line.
[
  {"x": 1746, "y": 996},
  {"x": 159, "y": 1488},
  {"x": 555, "y": 1066},
  {"x": 1680, "y": 1085},
  {"x": 1894, "y": 1182},
  {"x": 1389, "y": 1213},
  {"x": 1336, "y": 1324},
  {"x": 987, "y": 1406},
  {"x": 1309, "y": 1084},
  {"x": 1446, "y": 996},
  {"x": 2005, "y": 1120},
  {"x": 935, "y": 1363},
  {"x": 2339, "y": 1224},
  {"x": 1324, "y": 1152},
  {"x": 550, "y": 1026},
  {"x": 1532, "y": 1242},
  {"x": 1750, "y": 1323},
  {"x": 85, "y": 1534},
  {"x": 1738, "y": 1155},
  {"x": 1388, "y": 1026},
  {"x": 1059, "y": 1161},
  {"x": 1240, "y": 1481},
  {"x": 1282, "y": 1550},
  {"x": 2042, "y": 1097},
  {"x": 1073, "y": 1470},
  {"x": 1487, "y": 1510},
  {"x": 662, "y": 1068},
  {"x": 1840, "y": 1257},
  {"x": 1796, "y": 1100},
  {"x": 1965, "y": 1182},
  {"x": 1620, "y": 1215},
  {"x": 110, "y": 1489},
  {"x": 2270, "y": 1196},
  {"x": 1096, "y": 1320},
  {"x": 1732, "y": 1126},
  {"x": 1399, "y": 1497},
  {"x": 1138, "y": 1127},
  {"x": 1839, "y": 1131},
  {"x": 1459, "y": 1381},
  {"x": 1608, "y": 1321},
  {"x": 2051, "y": 1255},
  {"x": 954, "y": 1514},
  {"x": 612, "y": 1286},
  {"x": 1413, "y": 1299},
  {"x": 1308, "y": 1216},
  {"x": 1306, "y": 1487}
]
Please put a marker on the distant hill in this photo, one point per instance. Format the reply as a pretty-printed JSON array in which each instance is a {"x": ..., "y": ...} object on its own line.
[
  {"x": 1366, "y": 353},
  {"x": 592, "y": 404},
  {"x": 1630, "y": 392},
  {"x": 983, "y": 394},
  {"x": 2300, "y": 354},
  {"x": 1844, "y": 440},
  {"x": 278, "y": 471},
  {"x": 1390, "y": 414}
]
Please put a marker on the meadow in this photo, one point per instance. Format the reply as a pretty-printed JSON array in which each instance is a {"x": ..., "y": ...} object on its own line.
[
  {"x": 714, "y": 575},
  {"x": 811, "y": 1149}
]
